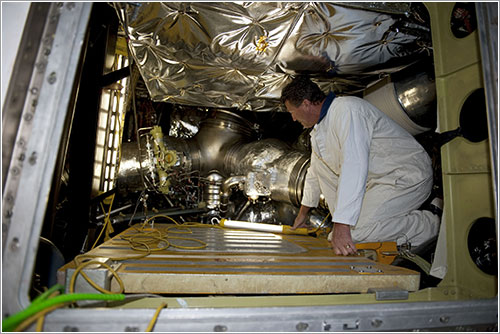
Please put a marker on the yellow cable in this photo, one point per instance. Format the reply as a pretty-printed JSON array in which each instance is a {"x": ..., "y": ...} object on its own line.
[
  {"x": 102, "y": 230},
  {"x": 39, "y": 323},
  {"x": 107, "y": 221},
  {"x": 155, "y": 317},
  {"x": 159, "y": 216},
  {"x": 317, "y": 228},
  {"x": 203, "y": 244},
  {"x": 140, "y": 241},
  {"x": 97, "y": 287},
  {"x": 23, "y": 325},
  {"x": 109, "y": 226},
  {"x": 41, "y": 318}
]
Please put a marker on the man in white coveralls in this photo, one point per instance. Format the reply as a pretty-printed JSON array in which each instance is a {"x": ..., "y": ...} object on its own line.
[{"x": 373, "y": 174}]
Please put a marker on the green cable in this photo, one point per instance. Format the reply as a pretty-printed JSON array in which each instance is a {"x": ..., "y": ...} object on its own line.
[
  {"x": 10, "y": 323},
  {"x": 46, "y": 294}
]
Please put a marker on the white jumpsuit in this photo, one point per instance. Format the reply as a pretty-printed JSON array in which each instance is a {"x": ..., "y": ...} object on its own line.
[{"x": 373, "y": 173}]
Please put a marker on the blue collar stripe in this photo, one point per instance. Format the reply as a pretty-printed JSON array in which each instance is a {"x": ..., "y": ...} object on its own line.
[{"x": 326, "y": 106}]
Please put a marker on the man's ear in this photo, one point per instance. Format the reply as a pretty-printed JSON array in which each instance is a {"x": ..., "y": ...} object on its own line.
[{"x": 306, "y": 102}]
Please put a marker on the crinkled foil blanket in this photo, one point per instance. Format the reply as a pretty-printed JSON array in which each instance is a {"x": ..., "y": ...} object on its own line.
[{"x": 241, "y": 55}]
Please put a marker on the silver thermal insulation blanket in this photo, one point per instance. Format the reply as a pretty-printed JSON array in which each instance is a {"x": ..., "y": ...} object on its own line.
[{"x": 240, "y": 55}]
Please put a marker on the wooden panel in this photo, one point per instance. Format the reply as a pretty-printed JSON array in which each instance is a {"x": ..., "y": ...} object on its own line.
[{"x": 247, "y": 262}]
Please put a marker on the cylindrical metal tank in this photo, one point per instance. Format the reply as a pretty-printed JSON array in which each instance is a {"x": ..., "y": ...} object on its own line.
[{"x": 409, "y": 100}]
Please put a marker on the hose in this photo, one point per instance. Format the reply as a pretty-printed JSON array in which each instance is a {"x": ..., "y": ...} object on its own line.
[
  {"x": 10, "y": 323},
  {"x": 152, "y": 322}
]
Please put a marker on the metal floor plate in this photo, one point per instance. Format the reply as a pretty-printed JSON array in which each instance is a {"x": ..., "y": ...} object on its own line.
[{"x": 223, "y": 240}]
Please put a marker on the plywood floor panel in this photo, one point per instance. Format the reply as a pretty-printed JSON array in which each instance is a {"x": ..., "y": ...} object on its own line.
[{"x": 248, "y": 262}]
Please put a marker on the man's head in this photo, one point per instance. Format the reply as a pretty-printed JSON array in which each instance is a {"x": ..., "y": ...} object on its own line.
[{"x": 303, "y": 100}]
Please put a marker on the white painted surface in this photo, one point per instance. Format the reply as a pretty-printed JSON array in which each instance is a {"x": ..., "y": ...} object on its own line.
[{"x": 14, "y": 16}]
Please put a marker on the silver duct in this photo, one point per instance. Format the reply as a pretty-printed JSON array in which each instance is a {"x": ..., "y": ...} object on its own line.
[
  {"x": 224, "y": 155},
  {"x": 410, "y": 101},
  {"x": 273, "y": 159},
  {"x": 217, "y": 135}
]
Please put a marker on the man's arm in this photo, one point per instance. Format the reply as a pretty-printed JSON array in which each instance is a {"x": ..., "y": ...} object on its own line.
[
  {"x": 310, "y": 197},
  {"x": 301, "y": 219}
]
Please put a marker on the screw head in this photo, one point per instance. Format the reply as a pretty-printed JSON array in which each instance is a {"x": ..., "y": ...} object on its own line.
[
  {"x": 52, "y": 78},
  {"x": 376, "y": 323}
]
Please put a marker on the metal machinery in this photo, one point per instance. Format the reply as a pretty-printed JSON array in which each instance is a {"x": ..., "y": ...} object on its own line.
[{"x": 221, "y": 149}]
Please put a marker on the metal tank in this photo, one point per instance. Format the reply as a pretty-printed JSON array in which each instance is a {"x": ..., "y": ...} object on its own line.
[{"x": 409, "y": 98}]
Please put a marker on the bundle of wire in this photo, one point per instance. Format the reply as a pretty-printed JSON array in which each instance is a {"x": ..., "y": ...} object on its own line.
[
  {"x": 144, "y": 240},
  {"x": 47, "y": 302}
]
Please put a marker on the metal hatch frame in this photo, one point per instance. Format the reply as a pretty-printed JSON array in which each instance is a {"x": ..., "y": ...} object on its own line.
[{"x": 24, "y": 203}]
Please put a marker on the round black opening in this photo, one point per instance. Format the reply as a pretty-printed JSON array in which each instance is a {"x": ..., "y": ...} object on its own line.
[
  {"x": 482, "y": 243},
  {"x": 463, "y": 19},
  {"x": 473, "y": 119}
]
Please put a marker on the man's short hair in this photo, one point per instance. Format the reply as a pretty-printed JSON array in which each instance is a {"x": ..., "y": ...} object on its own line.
[{"x": 302, "y": 88}]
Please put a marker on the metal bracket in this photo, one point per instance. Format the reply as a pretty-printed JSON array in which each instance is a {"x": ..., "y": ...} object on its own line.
[
  {"x": 389, "y": 293},
  {"x": 367, "y": 269}
]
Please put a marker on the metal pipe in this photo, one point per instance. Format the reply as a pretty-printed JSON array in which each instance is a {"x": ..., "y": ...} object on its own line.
[
  {"x": 113, "y": 212},
  {"x": 243, "y": 209},
  {"x": 170, "y": 212}
]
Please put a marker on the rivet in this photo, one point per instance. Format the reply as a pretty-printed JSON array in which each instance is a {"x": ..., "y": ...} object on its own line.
[
  {"x": 14, "y": 245},
  {"x": 33, "y": 158},
  {"x": 444, "y": 319},
  {"x": 15, "y": 171},
  {"x": 41, "y": 66},
  {"x": 70, "y": 329},
  {"x": 301, "y": 326},
  {"x": 376, "y": 322},
  {"x": 326, "y": 327},
  {"x": 52, "y": 78},
  {"x": 8, "y": 213},
  {"x": 70, "y": 5},
  {"x": 131, "y": 329},
  {"x": 220, "y": 328},
  {"x": 28, "y": 117},
  {"x": 34, "y": 90}
]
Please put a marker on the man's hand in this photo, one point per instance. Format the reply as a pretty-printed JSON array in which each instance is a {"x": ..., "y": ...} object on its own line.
[
  {"x": 301, "y": 219},
  {"x": 341, "y": 240}
]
